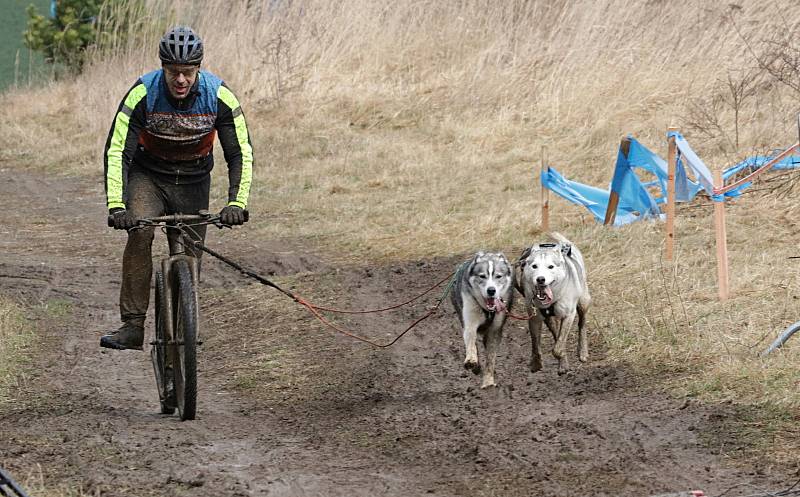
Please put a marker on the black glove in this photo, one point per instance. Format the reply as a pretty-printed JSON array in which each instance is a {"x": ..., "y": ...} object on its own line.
[
  {"x": 232, "y": 215},
  {"x": 123, "y": 219}
]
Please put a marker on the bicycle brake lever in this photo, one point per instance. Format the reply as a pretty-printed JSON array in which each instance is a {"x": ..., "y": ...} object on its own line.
[
  {"x": 141, "y": 224},
  {"x": 215, "y": 220}
]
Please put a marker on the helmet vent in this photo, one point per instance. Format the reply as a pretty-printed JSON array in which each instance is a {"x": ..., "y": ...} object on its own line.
[{"x": 181, "y": 45}]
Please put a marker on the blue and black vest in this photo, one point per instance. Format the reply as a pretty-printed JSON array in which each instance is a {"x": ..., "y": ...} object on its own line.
[{"x": 174, "y": 134}]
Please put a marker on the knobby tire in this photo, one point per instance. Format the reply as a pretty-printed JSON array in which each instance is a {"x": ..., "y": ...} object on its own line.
[
  {"x": 159, "y": 350},
  {"x": 185, "y": 357}
]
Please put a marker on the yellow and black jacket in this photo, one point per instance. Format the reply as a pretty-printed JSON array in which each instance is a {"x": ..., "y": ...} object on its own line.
[{"x": 174, "y": 139}]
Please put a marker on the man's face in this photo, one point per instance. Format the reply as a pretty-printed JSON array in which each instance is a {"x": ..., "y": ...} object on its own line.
[{"x": 180, "y": 79}]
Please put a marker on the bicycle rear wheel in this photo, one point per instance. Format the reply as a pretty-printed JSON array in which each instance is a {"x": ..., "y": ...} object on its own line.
[
  {"x": 184, "y": 364},
  {"x": 158, "y": 352}
]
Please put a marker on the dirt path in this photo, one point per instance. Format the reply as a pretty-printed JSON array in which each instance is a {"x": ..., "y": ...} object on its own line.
[{"x": 325, "y": 415}]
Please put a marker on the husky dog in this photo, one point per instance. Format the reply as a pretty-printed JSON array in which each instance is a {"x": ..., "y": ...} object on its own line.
[
  {"x": 552, "y": 278},
  {"x": 482, "y": 295}
]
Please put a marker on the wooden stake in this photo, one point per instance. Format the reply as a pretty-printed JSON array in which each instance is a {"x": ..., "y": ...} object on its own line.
[
  {"x": 611, "y": 210},
  {"x": 545, "y": 195},
  {"x": 722, "y": 241},
  {"x": 672, "y": 160},
  {"x": 613, "y": 197}
]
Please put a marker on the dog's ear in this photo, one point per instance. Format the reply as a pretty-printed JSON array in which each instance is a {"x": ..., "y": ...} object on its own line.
[
  {"x": 505, "y": 260},
  {"x": 470, "y": 264},
  {"x": 524, "y": 257},
  {"x": 566, "y": 249}
]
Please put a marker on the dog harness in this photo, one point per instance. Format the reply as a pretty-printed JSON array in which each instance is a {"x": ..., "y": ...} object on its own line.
[
  {"x": 548, "y": 311},
  {"x": 173, "y": 139}
]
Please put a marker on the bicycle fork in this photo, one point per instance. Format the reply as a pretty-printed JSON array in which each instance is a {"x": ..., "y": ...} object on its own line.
[{"x": 169, "y": 323}]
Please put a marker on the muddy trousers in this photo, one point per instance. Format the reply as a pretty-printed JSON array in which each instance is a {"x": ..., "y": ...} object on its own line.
[{"x": 148, "y": 196}]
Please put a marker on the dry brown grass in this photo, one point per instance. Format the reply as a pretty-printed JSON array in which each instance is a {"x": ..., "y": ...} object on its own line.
[{"x": 415, "y": 129}]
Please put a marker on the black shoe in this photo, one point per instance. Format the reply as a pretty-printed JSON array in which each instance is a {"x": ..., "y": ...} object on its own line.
[{"x": 128, "y": 337}]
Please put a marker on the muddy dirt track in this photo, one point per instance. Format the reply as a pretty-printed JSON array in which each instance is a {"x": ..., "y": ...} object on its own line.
[{"x": 288, "y": 408}]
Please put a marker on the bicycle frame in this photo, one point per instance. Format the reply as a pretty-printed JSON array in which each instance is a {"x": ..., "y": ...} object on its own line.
[
  {"x": 8, "y": 485},
  {"x": 166, "y": 268},
  {"x": 176, "y": 222}
]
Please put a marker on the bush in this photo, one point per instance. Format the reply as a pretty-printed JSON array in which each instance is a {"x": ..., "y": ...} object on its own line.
[{"x": 63, "y": 39}]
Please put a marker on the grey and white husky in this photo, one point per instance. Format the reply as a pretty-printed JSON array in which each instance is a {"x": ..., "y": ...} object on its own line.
[
  {"x": 482, "y": 294},
  {"x": 552, "y": 277}
]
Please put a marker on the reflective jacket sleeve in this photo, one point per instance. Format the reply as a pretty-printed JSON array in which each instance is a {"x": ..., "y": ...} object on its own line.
[
  {"x": 236, "y": 146},
  {"x": 121, "y": 143}
]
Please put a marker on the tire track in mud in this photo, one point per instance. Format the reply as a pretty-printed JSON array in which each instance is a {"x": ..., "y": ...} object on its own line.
[{"x": 325, "y": 415}]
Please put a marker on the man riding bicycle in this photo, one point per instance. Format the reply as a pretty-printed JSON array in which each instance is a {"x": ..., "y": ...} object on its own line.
[{"x": 158, "y": 159}]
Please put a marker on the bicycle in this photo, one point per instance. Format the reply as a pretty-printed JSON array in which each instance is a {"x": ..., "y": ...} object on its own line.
[
  {"x": 9, "y": 487},
  {"x": 174, "y": 347}
]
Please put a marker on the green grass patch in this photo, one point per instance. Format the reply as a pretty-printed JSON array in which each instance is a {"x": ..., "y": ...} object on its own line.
[
  {"x": 16, "y": 337},
  {"x": 57, "y": 308}
]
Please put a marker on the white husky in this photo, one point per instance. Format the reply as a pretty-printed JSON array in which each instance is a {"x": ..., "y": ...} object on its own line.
[
  {"x": 482, "y": 295},
  {"x": 552, "y": 277}
]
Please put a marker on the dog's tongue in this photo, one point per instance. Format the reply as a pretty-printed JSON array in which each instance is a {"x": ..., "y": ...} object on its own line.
[
  {"x": 491, "y": 303},
  {"x": 544, "y": 294}
]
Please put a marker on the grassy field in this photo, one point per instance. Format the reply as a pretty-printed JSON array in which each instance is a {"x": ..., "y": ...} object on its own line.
[{"x": 415, "y": 130}]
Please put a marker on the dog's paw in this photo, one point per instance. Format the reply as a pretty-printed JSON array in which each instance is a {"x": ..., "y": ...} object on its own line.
[
  {"x": 473, "y": 366},
  {"x": 535, "y": 365},
  {"x": 488, "y": 383}
]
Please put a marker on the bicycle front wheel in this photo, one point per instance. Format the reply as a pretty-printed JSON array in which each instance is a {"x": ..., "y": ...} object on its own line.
[
  {"x": 158, "y": 354},
  {"x": 185, "y": 334}
]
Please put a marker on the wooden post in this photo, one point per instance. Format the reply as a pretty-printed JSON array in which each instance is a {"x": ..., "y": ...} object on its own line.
[
  {"x": 672, "y": 159},
  {"x": 611, "y": 210},
  {"x": 545, "y": 196},
  {"x": 613, "y": 197},
  {"x": 722, "y": 241}
]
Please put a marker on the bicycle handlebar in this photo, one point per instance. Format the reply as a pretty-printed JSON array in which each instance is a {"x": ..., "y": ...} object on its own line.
[{"x": 177, "y": 218}]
